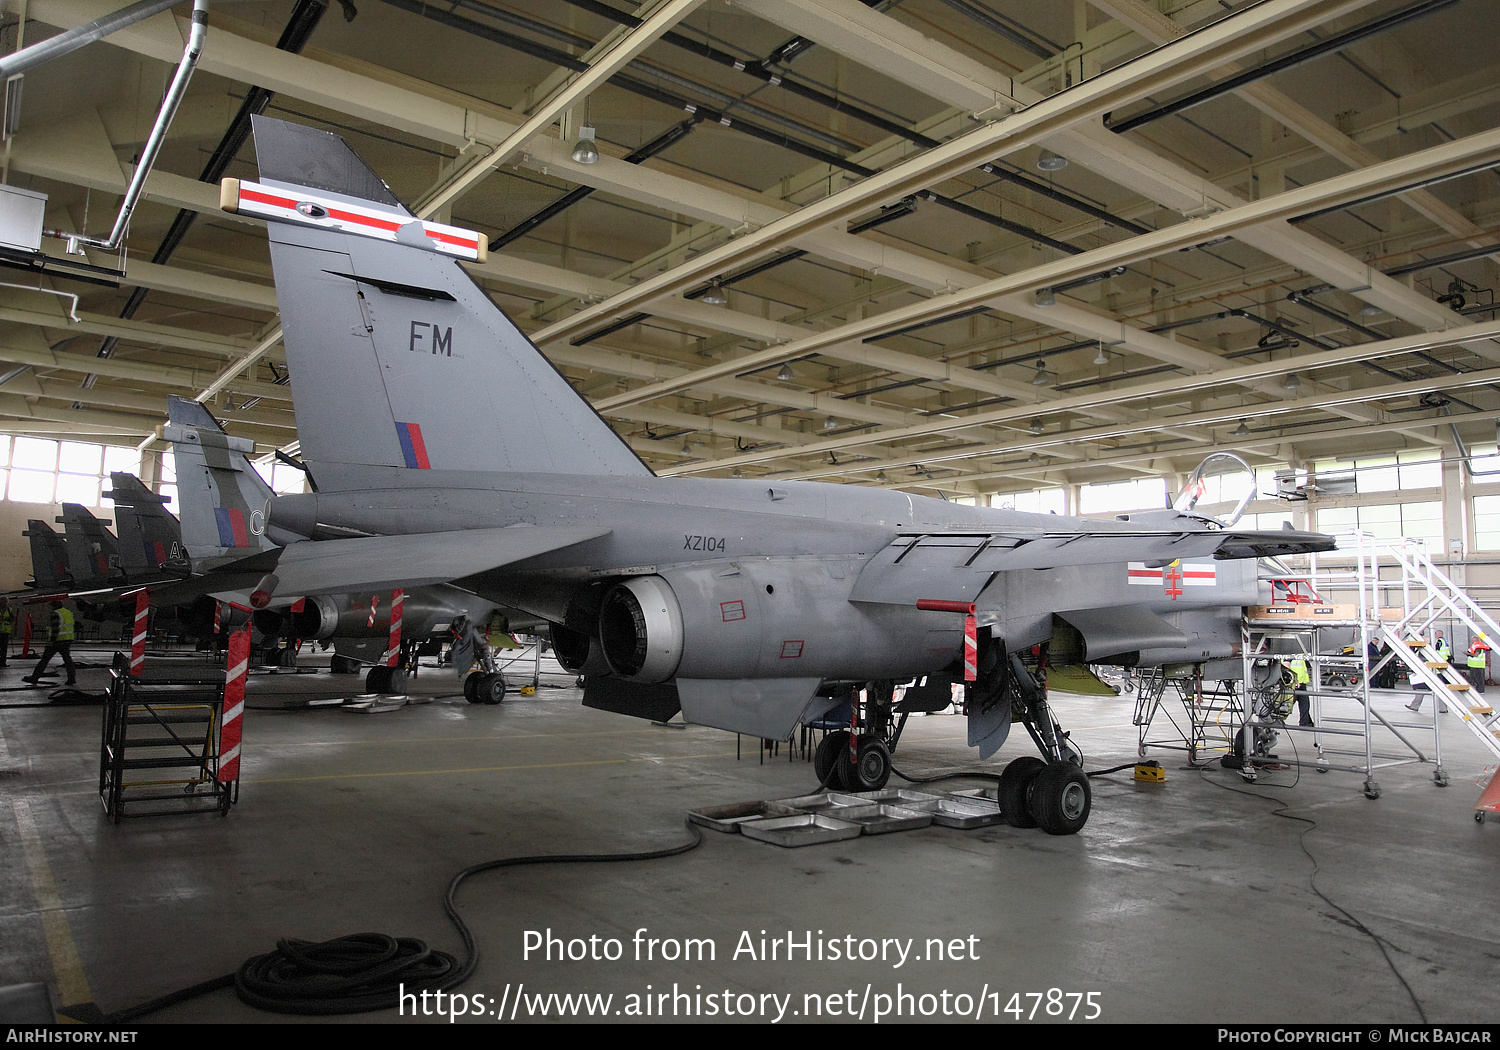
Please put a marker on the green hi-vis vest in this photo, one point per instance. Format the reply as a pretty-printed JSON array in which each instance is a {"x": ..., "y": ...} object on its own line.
[{"x": 64, "y": 625}]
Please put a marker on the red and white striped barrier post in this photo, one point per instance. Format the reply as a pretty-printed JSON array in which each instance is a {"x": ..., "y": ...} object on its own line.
[
  {"x": 398, "y": 599},
  {"x": 971, "y": 630},
  {"x": 138, "y": 633},
  {"x": 235, "y": 668},
  {"x": 374, "y": 604}
]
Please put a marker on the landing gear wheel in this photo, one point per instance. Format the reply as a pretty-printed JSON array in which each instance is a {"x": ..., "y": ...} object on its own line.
[
  {"x": 378, "y": 680},
  {"x": 1479, "y": 816},
  {"x": 871, "y": 769},
  {"x": 471, "y": 685},
  {"x": 490, "y": 689},
  {"x": 1015, "y": 785},
  {"x": 831, "y": 760},
  {"x": 397, "y": 683},
  {"x": 1060, "y": 799}
]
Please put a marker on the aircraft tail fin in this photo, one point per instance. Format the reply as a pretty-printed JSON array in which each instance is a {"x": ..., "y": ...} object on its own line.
[
  {"x": 397, "y": 357},
  {"x": 150, "y": 538},
  {"x": 49, "y": 557},
  {"x": 93, "y": 552},
  {"x": 221, "y": 496}
]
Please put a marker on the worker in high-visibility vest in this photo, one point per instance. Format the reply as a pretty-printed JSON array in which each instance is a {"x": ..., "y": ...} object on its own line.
[
  {"x": 1301, "y": 679},
  {"x": 7, "y": 626},
  {"x": 1478, "y": 661},
  {"x": 60, "y": 637},
  {"x": 1444, "y": 653}
]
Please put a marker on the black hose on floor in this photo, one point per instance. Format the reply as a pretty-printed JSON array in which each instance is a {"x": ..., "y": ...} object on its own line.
[{"x": 364, "y": 972}]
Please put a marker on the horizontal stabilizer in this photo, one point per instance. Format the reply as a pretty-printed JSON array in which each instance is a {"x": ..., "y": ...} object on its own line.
[{"x": 376, "y": 562}]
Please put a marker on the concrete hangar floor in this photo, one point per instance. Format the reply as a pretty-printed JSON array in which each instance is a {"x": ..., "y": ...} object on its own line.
[{"x": 1205, "y": 899}]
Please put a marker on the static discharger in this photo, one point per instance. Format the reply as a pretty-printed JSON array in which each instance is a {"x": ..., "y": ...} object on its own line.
[{"x": 1152, "y": 772}]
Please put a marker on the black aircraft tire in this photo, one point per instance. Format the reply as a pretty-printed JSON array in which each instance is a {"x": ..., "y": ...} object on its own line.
[
  {"x": 1015, "y": 786},
  {"x": 471, "y": 686},
  {"x": 1060, "y": 799},
  {"x": 378, "y": 680},
  {"x": 831, "y": 759},
  {"x": 490, "y": 689},
  {"x": 872, "y": 768},
  {"x": 399, "y": 676}
]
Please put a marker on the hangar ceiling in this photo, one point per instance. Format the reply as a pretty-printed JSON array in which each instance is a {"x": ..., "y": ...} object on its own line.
[{"x": 951, "y": 246}]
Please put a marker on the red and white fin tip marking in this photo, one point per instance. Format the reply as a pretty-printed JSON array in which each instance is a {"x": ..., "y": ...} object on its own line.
[{"x": 306, "y": 208}]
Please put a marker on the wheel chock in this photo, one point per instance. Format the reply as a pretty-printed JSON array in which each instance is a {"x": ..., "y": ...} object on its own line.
[{"x": 1152, "y": 772}]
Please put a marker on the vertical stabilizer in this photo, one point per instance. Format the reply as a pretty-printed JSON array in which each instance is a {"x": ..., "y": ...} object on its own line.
[
  {"x": 221, "y": 497},
  {"x": 49, "y": 557},
  {"x": 93, "y": 553},
  {"x": 397, "y": 357},
  {"x": 150, "y": 538}
]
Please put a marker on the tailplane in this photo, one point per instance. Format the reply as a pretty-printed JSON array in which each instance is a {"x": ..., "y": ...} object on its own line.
[
  {"x": 397, "y": 357},
  {"x": 221, "y": 497}
]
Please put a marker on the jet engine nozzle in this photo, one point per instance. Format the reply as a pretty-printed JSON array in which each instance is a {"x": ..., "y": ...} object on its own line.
[{"x": 640, "y": 630}]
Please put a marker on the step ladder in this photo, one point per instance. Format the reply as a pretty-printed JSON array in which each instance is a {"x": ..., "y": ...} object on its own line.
[
  {"x": 1434, "y": 597},
  {"x": 1211, "y": 712},
  {"x": 160, "y": 749}
]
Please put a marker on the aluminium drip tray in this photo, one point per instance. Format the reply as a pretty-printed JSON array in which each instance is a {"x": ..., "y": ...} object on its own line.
[{"x": 831, "y": 816}]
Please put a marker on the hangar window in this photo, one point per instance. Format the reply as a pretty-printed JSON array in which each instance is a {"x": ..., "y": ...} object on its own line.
[
  {"x": 1039, "y": 501},
  {"x": 1417, "y": 521},
  {"x": 1406, "y": 470},
  {"x": 42, "y": 470},
  {"x": 1487, "y": 523},
  {"x": 1122, "y": 496}
]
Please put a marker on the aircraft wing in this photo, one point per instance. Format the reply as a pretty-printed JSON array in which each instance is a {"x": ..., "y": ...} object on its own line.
[
  {"x": 375, "y": 562},
  {"x": 959, "y": 565}
]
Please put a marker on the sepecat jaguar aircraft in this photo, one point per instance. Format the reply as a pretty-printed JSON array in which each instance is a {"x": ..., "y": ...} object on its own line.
[{"x": 447, "y": 449}]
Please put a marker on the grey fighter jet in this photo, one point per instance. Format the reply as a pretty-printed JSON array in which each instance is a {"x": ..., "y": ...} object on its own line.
[
  {"x": 448, "y": 449},
  {"x": 223, "y": 501}
]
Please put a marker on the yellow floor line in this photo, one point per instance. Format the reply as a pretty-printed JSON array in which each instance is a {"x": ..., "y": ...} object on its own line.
[{"x": 67, "y": 968}]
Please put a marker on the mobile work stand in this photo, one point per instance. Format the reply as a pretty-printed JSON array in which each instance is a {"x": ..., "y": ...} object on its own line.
[
  {"x": 1399, "y": 597},
  {"x": 161, "y": 744},
  {"x": 1201, "y": 715}
]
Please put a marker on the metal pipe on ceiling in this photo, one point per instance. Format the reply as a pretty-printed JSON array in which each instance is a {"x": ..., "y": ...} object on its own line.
[
  {"x": 65, "y": 43},
  {"x": 298, "y": 30},
  {"x": 1334, "y": 43}
]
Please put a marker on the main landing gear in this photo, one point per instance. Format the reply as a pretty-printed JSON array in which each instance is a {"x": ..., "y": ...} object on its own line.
[{"x": 1051, "y": 792}]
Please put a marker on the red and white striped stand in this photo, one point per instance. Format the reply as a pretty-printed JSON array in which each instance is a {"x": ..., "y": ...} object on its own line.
[
  {"x": 235, "y": 668},
  {"x": 393, "y": 653},
  {"x": 138, "y": 633},
  {"x": 971, "y": 630}
]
